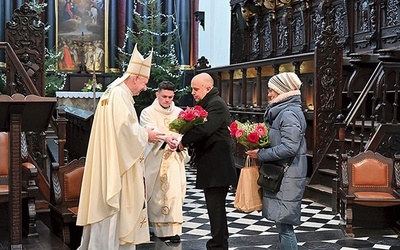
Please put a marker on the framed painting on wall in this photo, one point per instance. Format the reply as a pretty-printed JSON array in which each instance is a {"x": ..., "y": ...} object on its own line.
[{"x": 81, "y": 35}]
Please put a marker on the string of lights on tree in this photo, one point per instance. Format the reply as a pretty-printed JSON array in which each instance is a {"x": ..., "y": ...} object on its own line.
[
  {"x": 55, "y": 80},
  {"x": 171, "y": 55}
]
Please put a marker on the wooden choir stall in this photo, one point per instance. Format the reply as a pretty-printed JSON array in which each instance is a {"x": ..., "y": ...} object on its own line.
[{"x": 19, "y": 113}]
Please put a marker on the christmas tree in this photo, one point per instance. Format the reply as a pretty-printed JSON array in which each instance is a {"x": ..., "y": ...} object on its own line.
[{"x": 151, "y": 33}]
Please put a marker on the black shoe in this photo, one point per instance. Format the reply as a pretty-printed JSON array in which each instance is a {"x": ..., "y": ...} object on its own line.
[
  {"x": 172, "y": 239},
  {"x": 175, "y": 239}
]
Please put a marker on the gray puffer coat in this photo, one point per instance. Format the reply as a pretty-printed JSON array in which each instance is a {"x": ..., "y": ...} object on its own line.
[{"x": 287, "y": 126}]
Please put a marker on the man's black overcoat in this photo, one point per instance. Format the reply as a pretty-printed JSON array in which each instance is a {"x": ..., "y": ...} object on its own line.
[{"x": 212, "y": 144}]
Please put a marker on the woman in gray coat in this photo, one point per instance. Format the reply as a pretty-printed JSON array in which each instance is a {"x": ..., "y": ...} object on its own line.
[{"x": 287, "y": 126}]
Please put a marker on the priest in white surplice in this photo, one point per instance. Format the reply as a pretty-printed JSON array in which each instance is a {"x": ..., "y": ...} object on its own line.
[
  {"x": 112, "y": 205},
  {"x": 164, "y": 167}
]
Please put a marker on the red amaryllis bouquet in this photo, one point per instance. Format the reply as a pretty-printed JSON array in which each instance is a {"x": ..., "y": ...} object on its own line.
[
  {"x": 250, "y": 135},
  {"x": 188, "y": 118}
]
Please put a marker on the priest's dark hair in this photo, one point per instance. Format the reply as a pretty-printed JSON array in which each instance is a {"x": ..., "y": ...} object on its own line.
[{"x": 167, "y": 85}]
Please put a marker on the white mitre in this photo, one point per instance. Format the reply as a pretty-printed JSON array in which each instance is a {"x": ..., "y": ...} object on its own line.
[{"x": 137, "y": 66}]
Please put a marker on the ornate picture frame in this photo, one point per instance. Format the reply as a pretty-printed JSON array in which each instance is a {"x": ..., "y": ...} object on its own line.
[{"x": 81, "y": 35}]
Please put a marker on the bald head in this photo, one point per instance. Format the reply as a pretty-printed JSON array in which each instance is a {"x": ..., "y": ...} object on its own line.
[
  {"x": 201, "y": 84},
  {"x": 205, "y": 78}
]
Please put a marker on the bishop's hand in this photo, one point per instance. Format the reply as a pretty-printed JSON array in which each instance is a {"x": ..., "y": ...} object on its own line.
[{"x": 154, "y": 135}]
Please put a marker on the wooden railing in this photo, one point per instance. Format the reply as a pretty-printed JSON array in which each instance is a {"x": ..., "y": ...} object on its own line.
[
  {"x": 376, "y": 106},
  {"x": 373, "y": 80},
  {"x": 16, "y": 66},
  {"x": 244, "y": 85}
]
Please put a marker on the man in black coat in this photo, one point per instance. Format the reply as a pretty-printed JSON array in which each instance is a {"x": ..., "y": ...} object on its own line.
[{"x": 212, "y": 145}]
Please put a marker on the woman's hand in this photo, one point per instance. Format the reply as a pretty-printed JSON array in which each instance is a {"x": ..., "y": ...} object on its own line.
[{"x": 252, "y": 153}]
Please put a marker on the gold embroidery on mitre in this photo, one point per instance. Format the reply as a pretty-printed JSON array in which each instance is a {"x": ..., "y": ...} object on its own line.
[{"x": 138, "y": 65}]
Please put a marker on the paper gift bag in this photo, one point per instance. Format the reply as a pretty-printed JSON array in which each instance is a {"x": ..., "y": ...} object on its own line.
[{"x": 248, "y": 193}]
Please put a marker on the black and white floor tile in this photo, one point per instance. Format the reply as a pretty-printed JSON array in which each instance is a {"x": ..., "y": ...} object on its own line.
[{"x": 319, "y": 229}]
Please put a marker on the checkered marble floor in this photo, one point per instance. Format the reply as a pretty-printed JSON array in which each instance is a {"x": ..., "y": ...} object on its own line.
[{"x": 319, "y": 229}]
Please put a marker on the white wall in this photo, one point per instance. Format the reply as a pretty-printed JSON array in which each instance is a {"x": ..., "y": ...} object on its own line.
[{"x": 214, "y": 41}]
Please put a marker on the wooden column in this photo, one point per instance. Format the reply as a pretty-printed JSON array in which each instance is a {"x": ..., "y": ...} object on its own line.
[
  {"x": 230, "y": 88},
  {"x": 244, "y": 88},
  {"x": 259, "y": 88},
  {"x": 219, "y": 82},
  {"x": 62, "y": 135},
  {"x": 15, "y": 177}
]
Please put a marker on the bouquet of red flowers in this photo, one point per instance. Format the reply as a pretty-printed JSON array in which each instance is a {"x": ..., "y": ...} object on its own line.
[
  {"x": 250, "y": 135},
  {"x": 188, "y": 118}
]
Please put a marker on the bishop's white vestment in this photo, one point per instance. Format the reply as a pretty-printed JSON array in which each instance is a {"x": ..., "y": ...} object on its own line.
[{"x": 112, "y": 206}]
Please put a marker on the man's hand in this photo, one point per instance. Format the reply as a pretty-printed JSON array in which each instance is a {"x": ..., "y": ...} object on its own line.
[
  {"x": 180, "y": 146},
  {"x": 172, "y": 142}
]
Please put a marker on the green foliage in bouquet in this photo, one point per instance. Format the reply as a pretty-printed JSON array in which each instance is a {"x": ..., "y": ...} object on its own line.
[
  {"x": 250, "y": 135},
  {"x": 188, "y": 118}
]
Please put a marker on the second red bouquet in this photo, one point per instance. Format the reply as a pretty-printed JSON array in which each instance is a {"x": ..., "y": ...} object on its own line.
[
  {"x": 188, "y": 118},
  {"x": 250, "y": 135}
]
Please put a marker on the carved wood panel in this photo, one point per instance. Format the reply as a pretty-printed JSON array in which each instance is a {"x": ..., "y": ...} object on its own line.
[
  {"x": 15, "y": 177},
  {"x": 365, "y": 25},
  {"x": 237, "y": 35},
  {"x": 284, "y": 30},
  {"x": 299, "y": 27},
  {"x": 328, "y": 88},
  {"x": 268, "y": 44},
  {"x": 390, "y": 23},
  {"x": 26, "y": 35}
]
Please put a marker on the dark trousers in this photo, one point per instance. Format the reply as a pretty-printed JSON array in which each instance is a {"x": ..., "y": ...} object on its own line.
[{"x": 215, "y": 200}]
